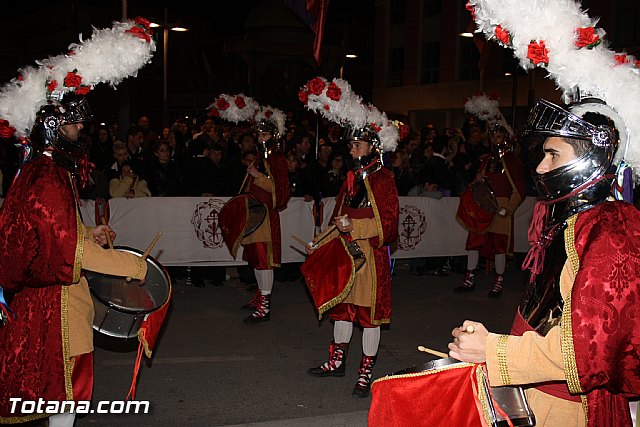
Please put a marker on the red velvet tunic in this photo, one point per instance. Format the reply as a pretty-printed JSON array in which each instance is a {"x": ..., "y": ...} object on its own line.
[
  {"x": 604, "y": 329},
  {"x": 38, "y": 243},
  {"x": 267, "y": 255},
  {"x": 381, "y": 192}
]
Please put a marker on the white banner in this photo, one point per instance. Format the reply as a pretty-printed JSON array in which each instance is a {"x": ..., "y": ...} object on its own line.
[{"x": 191, "y": 236}]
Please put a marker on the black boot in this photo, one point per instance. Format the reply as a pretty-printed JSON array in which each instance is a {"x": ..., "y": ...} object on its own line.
[
  {"x": 262, "y": 312},
  {"x": 365, "y": 372},
  {"x": 337, "y": 353}
]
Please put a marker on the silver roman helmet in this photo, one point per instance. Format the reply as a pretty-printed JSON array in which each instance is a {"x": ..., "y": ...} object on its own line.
[{"x": 599, "y": 138}]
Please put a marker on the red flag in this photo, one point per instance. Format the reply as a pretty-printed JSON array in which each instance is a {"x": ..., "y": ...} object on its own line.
[{"x": 314, "y": 14}]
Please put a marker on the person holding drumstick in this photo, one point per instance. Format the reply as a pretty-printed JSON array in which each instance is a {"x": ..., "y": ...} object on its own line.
[
  {"x": 47, "y": 340},
  {"x": 365, "y": 219},
  {"x": 574, "y": 345},
  {"x": 266, "y": 183},
  {"x": 504, "y": 172}
]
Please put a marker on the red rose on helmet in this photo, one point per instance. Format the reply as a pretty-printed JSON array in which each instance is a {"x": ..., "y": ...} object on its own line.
[
  {"x": 326, "y": 107},
  {"x": 139, "y": 32},
  {"x": 303, "y": 96},
  {"x": 72, "y": 79},
  {"x": 52, "y": 86},
  {"x": 471, "y": 9},
  {"x": 239, "y": 101},
  {"x": 503, "y": 35},
  {"x": 334, "y": 92},
  {"x": 621, "y": 58},
  {"x": 316, "y": 86},
  {"x": 144, "y": 22},
  {"x": 83, "y": 90},
  {"x": 6, "y": 131},
  {"x": 222, "y": 104},
  {"x": 587, "y": 37},
  {"x": 538, "y": 53},
  {"x": 214, "y": 112},
  {"x": 268, "y": 114}
]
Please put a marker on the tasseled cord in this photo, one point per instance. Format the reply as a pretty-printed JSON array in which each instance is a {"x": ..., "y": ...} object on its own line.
[
  {"x": 539, "y": 238},
  {"x": 351, "y": 177}
]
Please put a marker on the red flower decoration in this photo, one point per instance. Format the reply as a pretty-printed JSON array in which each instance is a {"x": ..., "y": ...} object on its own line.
[
  {"x": 538, "y": 53},
  {"x": 83, "y": 90},
  {"x": 72, "y": 79},
  {"x": 52, "y": 86},
  {"x": 222, "y": 104},
  {"x": 213, "y": 112},
  {"x": 139, "y": 32},
  {"x": 268, "y": 114},
  {"x": 6, "y": 131},
  {"x": 621, "y": 58},
  {"x": 636, "y": 63},
  {"x": 494, "y": 96},
  {"x": 143, "y": 22},
  {"x": 503, "y": 35},
  {"x": 471, "y": 9},
  {"x": 303, "y": 96},
  {"x": 20, "y": 77},
  {"x": 376, "y": 127},
  {"x": 326, "y": 107},
  {"x": 334, "y": 92},
  {"x": 587, "y": 37},
  {"x": 239, "y": 101},
  {"x": 316, "y": 86}
]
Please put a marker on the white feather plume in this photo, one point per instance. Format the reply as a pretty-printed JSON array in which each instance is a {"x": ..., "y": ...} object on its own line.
[
  {"x": 267, "y": 112},
  {"x": 337, "y": 102},
  {"x": 570, "y": 60},
  {"x": 109, "y": 56},
  {"x": 486, "y": 109},
  {"x": 234, "y": 108}
]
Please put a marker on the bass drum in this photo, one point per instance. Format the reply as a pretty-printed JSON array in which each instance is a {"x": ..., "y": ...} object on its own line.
[
  {"x": 451, "y": 393},
  {"x": 477, "y": 208},
  {"x": 121, "y": 305},
  {"x": 239, "y": 217}
]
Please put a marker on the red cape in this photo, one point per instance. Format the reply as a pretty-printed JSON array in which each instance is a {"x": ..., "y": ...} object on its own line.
[{"x": 38, "y": 242}]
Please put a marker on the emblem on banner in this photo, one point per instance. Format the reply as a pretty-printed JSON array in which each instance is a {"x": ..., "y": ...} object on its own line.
[
  {"x": 205, "y": 223},
  {"x": 413, "y": 223}
]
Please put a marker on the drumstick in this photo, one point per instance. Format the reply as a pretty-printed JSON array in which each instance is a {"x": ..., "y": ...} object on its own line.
[
  {"x": 469, "y": 329},
  {"x": 324, "y": 234},
  {"x": 302, "y": 242},
  {"x": 243, "y": 182},
  {"x": 430, "y": 351},
  {"x": 107, "y": 234},
  {"x": 148, "y": 251}
]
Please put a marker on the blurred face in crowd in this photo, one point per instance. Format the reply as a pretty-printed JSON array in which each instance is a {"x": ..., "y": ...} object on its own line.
[
  {"x": 264, "y": 136},
  {"x": 324, "y": 153},
  {"x": 412, "y": 146},
  {"x": 247, "y": 144},
  {"x": 557, "y": 153},
  {"x": 248, "y": 158},
  {"x": 120, "y": 154},
  {"x": 143, "y": 122},
  {"x": 127, "y": 171},
  {"x": 337, "y": 163},
  {"x": 163, "y": 152},
  {"x": 292, "y": 162},
  {"x": 103, "y": 135},
  {"x": 215, "y": 156},
  {"x": 136, "y": 140},
  {"x": 303, "y": 146}
]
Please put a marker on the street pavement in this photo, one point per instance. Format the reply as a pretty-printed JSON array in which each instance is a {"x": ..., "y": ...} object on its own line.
[{"x": 210, "y": 369}]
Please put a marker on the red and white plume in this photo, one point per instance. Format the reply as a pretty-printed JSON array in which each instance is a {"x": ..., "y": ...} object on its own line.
[
  {"x": 338, "y": 103},
  {"x": 109, "y": 56},
  {"x": 486, "y": 108},
  {"x": 234, "y": 108}
]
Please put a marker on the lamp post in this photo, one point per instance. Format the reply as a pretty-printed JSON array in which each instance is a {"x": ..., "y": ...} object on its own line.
[
  {"x": 347, "y": 56},
  {"x": 166, "y": 26}
]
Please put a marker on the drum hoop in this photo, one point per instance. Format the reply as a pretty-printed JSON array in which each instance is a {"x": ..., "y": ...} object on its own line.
[{"x": 112, "y": 306}]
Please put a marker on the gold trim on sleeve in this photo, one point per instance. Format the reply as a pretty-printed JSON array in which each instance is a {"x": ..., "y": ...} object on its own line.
[
  {"x": 502, "y": 359},
  {"x": 376, "y": 213},
  {"x": 566, "y": 324}
]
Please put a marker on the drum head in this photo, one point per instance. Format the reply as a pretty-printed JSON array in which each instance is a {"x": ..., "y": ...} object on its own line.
[
  {"x": 429, "y": 366},
  {"x": 257, "y": 214},
  {"x": 484, "y": 196},
  {"x": 129, "y": 296}
]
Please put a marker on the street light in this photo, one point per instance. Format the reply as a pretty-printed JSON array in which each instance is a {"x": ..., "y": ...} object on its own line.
[
  {"x": 347, "y": 56},
  {"x": 166, "y": 26}
]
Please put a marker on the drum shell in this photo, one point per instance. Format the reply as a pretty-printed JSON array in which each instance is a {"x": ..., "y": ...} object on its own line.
[
  {"x": 394, "y": 397},
  {"x": 239, "y": 217},
  {"x": 112, "y": 317},
  {"x": 471, "y": 215}
]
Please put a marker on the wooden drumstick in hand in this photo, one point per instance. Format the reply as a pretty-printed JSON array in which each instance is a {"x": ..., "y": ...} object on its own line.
[
  {"x": 324, "y": 234},
  {"x": 107, "y": 234},
  {"x": 148, "y": 251},
  {"x": 302, "y": 242},
  {"x": 431, "y": 351}
]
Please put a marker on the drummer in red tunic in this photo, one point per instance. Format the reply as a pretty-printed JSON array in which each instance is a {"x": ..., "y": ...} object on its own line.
[
  {"x": 356, "y": 288},
  {"x": 47, "y": 341},
  {"x": 504, "y": 173}
]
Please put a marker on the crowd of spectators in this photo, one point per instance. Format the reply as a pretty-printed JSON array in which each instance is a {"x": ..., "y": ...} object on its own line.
[{"x": 211, "y": 159}]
